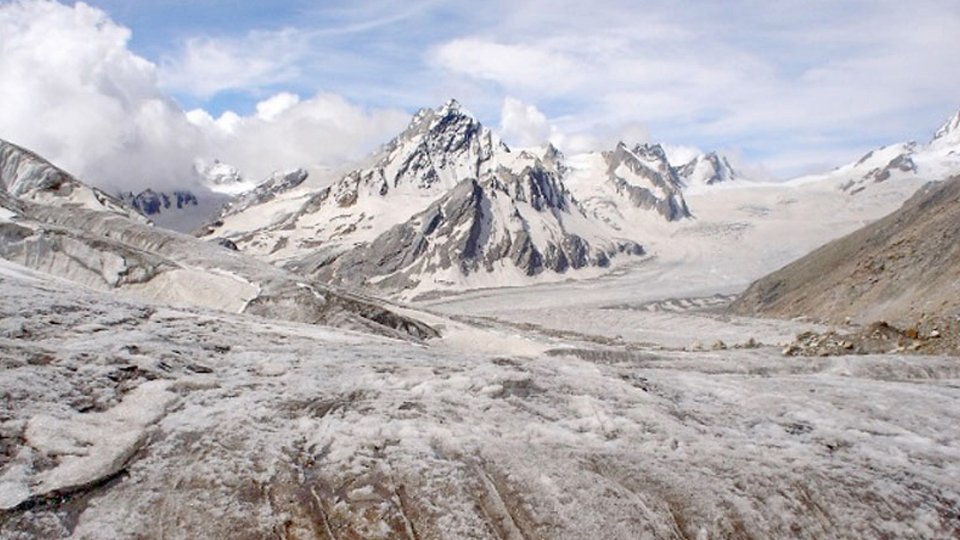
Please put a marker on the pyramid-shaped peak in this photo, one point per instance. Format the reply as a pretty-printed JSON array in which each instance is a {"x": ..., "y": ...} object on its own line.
[{"x": 451, "y": 113}]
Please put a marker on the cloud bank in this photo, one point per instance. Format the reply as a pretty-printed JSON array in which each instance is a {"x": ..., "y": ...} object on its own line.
[{"x": 72, "y": 91}]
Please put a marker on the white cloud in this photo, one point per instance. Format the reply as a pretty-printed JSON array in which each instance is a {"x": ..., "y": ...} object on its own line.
[
  {"x": 769, "y": 76},
  {"x": 791, "y": 83},
  {"x": 514, "y": 65},
  {"x": 521, "y": 124},
  {"x": 679, "y": 154},
  {"x": 270, "y": 109},
  {"x": 325, "y": 130},
  {"x": 72, "y": 91}
]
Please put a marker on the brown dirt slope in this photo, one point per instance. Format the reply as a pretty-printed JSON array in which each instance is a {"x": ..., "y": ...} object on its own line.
[{"x": 903, "y": 268}]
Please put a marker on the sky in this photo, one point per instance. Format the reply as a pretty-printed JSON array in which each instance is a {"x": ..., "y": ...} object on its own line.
[{"x": 131, "y": 93}]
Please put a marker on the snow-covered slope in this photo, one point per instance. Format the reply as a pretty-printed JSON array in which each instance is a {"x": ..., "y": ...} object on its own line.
[
  {"x": 902, "y": 162},
  {"x": 707, "y": 170},
  {"x": 444, "y": 205},
  {"x": 949, "y": 133},
  {"x": 28, "y": 177}
]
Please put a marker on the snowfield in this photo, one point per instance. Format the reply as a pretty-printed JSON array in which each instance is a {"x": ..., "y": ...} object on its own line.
[{"x": 122, "y": 419}]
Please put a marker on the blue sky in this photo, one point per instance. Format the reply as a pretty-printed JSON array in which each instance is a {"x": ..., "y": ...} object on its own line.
[{"x": 785, "y": 86}]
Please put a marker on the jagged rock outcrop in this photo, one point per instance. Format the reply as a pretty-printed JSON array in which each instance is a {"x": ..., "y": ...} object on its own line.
[
  {"x": 26, "y": 176},
  {"x": 948, "y": 133},
  {"x": 910, "y": 161},
  {"x": 150, "y": 203},
  {"x": 645, "y": 177},
  {"x": 276, "y": 184},
  {"x": 476, "y": 227}
]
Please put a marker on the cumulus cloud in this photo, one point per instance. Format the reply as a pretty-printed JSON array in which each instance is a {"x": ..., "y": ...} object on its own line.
[
  {"x": 286, "y": 132},
  {"x": 71, "y": 90},
  {"x": 270, "y": 109},
  {"x": 679, "y": 154},
  {"x": 522, "y": 124}
]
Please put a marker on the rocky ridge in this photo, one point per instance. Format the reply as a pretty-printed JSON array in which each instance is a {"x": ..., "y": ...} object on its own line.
[{"x": 87, "y": 237}]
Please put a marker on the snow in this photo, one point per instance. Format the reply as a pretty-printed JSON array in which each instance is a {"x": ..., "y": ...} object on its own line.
[{"x": 211, "y": 289}]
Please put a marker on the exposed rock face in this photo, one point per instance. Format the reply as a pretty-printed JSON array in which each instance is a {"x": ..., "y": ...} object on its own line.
[
  {"x": 645, "y": 177},
  {"x": 949, "y": 132},
  {"x": 939, "y": 158},
  {"x": 278, "y": 183},
  {"x": 476, "y": 227},
  {"x": 25, "y": 175},
  {"x": 902, "y": 268},
  {"x": 150, "y": 203},
  {"x": 881, "y": 165}
]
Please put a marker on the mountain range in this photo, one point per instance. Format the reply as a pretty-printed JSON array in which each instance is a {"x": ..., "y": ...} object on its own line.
[
  {"x": 446, "y": 205},
  {"x": 230, "y": 386}
]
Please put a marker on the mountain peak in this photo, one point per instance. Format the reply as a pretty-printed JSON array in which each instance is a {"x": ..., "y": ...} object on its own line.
[
  {"x": 707, "y": 169},
  {"x": 452, "y": 104},
  {"x": 452, "y": 109},
  {"x": 949, "y": 131},
  {"x": 648, "y": 150}
]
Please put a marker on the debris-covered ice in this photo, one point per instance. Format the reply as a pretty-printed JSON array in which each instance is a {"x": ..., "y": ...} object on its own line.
[{"x": 122, "y": 419}]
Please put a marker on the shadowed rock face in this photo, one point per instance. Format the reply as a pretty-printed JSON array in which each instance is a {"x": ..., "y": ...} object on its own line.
[
  {"x": 267, "y": 190},
  {"x": 437, "y": 150},
  {"x": 901, "y": 268},
  {"x": 149, "y": 202}
]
